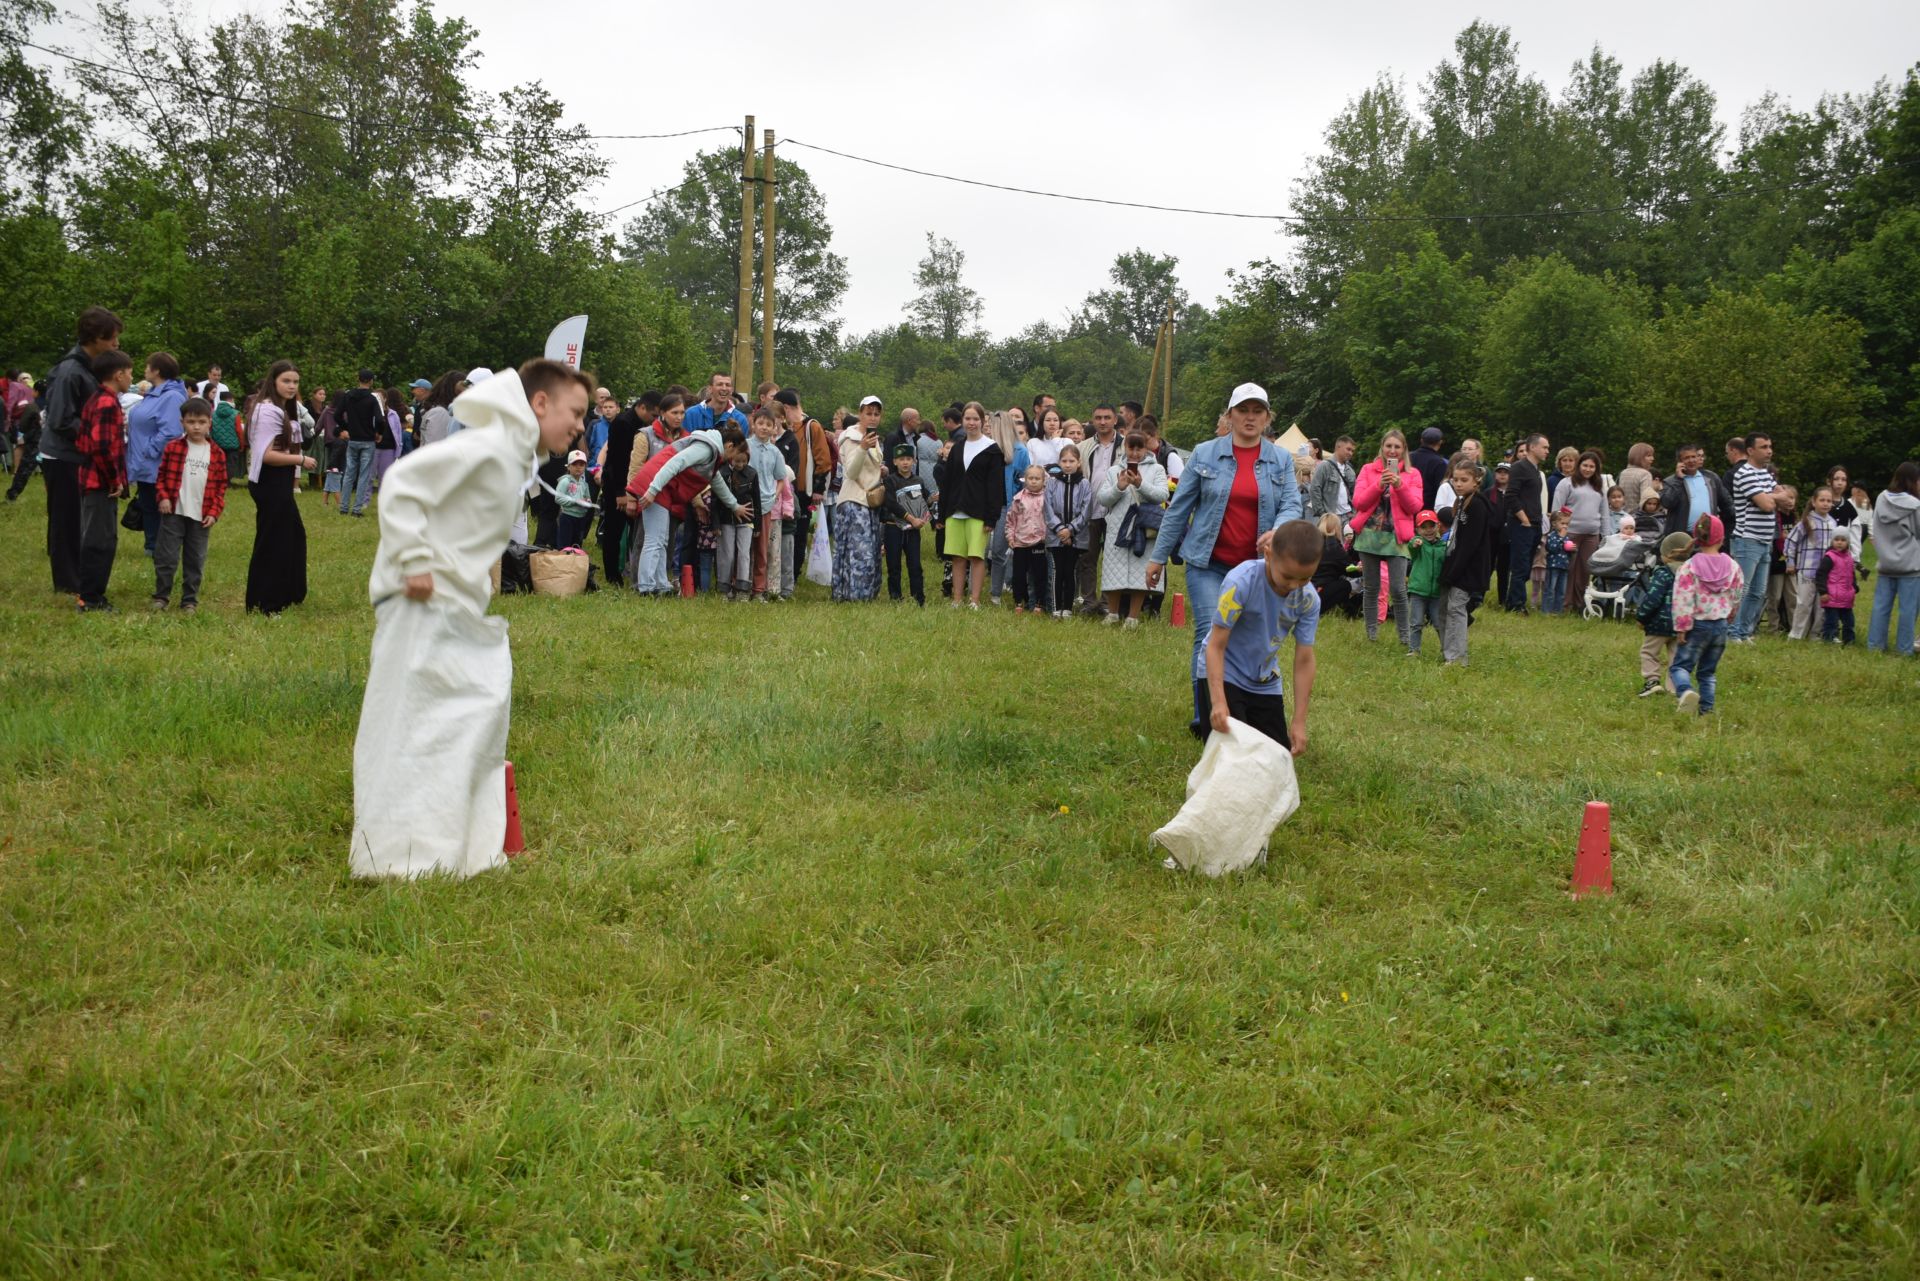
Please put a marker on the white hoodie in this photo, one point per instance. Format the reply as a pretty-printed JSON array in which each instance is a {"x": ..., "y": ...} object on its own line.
[{"x": 447, "y": 511}]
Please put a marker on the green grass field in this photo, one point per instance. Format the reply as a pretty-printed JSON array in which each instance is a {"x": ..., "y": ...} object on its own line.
[{"x": 840, "y": 953}]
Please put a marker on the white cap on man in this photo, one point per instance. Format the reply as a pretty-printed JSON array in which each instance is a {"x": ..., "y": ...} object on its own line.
[
  {"x": 1246, "y": 392},
  {"x": 478, "y": 375},
  {"x": 870, "y": 400}
]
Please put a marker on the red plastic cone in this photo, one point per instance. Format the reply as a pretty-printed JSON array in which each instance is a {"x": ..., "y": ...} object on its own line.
[
  {"x": 686, "y": 581},
  {"x": 1593, "y": 865},
  {"x": 516, "y": 842},
  {"x": 1179, "y": 616}
]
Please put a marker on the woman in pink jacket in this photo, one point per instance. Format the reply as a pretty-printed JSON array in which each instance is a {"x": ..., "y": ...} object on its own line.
[{"x": 1386, "y": 497}]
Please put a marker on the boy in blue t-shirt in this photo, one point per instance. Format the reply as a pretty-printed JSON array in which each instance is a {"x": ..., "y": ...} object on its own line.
[{"x": 1262, "y": 601}]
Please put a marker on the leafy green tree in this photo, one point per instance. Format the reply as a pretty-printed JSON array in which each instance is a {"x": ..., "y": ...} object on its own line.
[
  {"x": 1359, "y": 176},
  {"x": 689, "y": 242},
  {"x": 945, "y": 307},
  {"x": 40, "y": 127},
  {"x": 1136, "y": 305},
  {"x": 1793, "y": 162},
  {"x": 1412, "y": 334},
  {"x": 1555, "y": 353},
  {"x": 1493, "y": 143},
  {"x": 1739, "y": 362},
  {"x": 1877, "y": 286}
]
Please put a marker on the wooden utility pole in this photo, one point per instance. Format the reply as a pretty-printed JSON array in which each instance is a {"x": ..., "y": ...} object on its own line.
[
  {"x": 743, "y": 318},
  {"x": 1153, "y": 371},
  {"x": 1166, "y": 387},
  {"x": 767, "y": 185}
]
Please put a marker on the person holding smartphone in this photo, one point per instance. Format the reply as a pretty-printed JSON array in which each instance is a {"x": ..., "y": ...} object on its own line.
[{"x": 1386, "y": 500}]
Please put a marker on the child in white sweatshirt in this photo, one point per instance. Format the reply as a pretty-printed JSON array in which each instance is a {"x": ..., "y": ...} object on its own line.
[{"x": 429, "y": 792}]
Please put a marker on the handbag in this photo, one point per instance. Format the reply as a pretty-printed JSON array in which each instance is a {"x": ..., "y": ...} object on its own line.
[{"x": 132, "y": 519}]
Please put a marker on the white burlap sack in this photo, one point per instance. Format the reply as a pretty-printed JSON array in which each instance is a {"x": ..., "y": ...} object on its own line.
[
  {"x": 429, "y": 764},
  {"x": 820, "y": 554},
  {"x": 1242, "y": 789}
]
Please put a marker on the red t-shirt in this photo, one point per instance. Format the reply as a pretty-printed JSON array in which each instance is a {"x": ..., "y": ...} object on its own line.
[{"x": 1240, "y": 527}]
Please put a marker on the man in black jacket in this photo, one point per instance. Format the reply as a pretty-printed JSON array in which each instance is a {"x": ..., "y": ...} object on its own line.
[
  {"x": 1693, "y": 491},
  {"x": 69, "y": 387},
  {"x": 1430, "y": 463},
  {"x": 359, "y": 413},
  {"x": 1523, "y": 512}
]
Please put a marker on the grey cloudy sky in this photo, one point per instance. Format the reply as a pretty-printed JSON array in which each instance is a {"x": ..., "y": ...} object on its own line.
[{"x": 1214, "y": 103}]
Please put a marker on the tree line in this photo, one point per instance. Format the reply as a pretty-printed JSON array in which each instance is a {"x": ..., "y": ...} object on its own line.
[{"x": 1478, "y": 253}]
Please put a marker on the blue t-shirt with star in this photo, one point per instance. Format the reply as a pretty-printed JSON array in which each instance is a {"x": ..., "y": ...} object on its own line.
[{"x": 1258, "y": 621}]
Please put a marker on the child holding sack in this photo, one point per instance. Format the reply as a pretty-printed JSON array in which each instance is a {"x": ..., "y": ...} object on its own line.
[{"x": 429, "y": 789}]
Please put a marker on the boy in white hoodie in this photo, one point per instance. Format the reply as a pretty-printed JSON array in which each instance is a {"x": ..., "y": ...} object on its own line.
[{"x": 429, "y": 793}]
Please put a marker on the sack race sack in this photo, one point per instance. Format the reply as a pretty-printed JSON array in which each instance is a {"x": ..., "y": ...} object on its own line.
[
  {"x": 1242, "y": 789},
  {"x": 558, "y": 573},
  {"x": 820, "y": 554},
  {"x": 429, "y": 764}
]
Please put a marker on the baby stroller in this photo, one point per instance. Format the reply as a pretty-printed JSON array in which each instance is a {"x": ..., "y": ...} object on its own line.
[{"x": 1617, "y": 576}]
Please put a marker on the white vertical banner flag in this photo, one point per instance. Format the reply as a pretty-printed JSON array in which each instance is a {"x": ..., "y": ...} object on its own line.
[{"x": 566, "y": 340}]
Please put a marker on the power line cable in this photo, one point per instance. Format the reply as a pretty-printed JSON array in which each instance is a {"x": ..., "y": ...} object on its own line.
[{"x": 1591, "y": 211}]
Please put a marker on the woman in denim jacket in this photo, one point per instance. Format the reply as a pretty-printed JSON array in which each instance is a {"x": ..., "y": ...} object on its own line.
[{"x": 1235, "y": 491}]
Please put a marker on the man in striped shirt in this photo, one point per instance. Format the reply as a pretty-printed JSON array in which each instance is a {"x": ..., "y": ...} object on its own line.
[{"x": 1753, "y": 531}]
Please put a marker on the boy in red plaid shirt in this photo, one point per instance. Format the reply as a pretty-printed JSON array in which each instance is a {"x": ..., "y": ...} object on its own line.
[
  {"x": 102, "y": 442},
  {"x": 191, "y": 494}
]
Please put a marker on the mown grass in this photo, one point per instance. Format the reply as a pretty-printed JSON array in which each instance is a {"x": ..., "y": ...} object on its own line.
[{"x": 810, "y": 974}]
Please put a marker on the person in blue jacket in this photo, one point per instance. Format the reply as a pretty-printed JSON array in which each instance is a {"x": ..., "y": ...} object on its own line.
[
  {"x": 150, "y": 425},
  {"x": 1236, "y": 490}
]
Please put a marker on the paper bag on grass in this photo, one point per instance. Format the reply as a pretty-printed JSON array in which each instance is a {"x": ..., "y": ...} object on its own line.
[{"x": 558, "y": 573}]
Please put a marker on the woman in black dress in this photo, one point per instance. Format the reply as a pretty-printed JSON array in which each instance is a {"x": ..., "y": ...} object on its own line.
[{"x": 277, "y": 574}]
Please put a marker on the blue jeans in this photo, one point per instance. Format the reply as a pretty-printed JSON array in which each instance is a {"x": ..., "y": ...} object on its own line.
[
  {"x": 656, "y": 527},
  {"x": 1553, "y": 591},
  {"x": 1521, "y": 540},
  {"x": 1891, "y": 591},
  {"x": 1699, "y": 658},
  {"x": 1203, "y": 598},
  {"x": 358, "y": 486},
  {"x": 999, "y": 558},
  {"x": 1422, "y": 610},
  {"x": 1754, "y": 556}
]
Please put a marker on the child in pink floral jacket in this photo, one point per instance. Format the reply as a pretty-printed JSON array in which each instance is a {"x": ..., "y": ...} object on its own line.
[{"x": 1706, "y": 591}]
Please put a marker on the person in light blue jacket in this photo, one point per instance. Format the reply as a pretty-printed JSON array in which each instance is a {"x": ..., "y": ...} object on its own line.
[
  {"x": 1236, "y": 490},
  {"x": 150, "y": 425}
]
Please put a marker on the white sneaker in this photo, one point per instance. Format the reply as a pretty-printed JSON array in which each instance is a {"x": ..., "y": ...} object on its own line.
[
  {"x": 1111, "y": 620},
  {"x": 993, "y": 601},
  {"x": 1131, "y": 625},
  {"x": 1170, "y": 863},
  {"x": 1689, "y": 701}
]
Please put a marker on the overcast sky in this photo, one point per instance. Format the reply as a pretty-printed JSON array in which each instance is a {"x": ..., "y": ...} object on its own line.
[{"x": 1209, "y": 103}]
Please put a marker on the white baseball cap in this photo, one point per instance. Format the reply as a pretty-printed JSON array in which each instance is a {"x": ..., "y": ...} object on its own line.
[
  {"x": 870, "y": 400},
  {"x": 576, "y": 457},
  {"x": 1245, "y": 392},
  {"x": 478, "y": 375}
]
